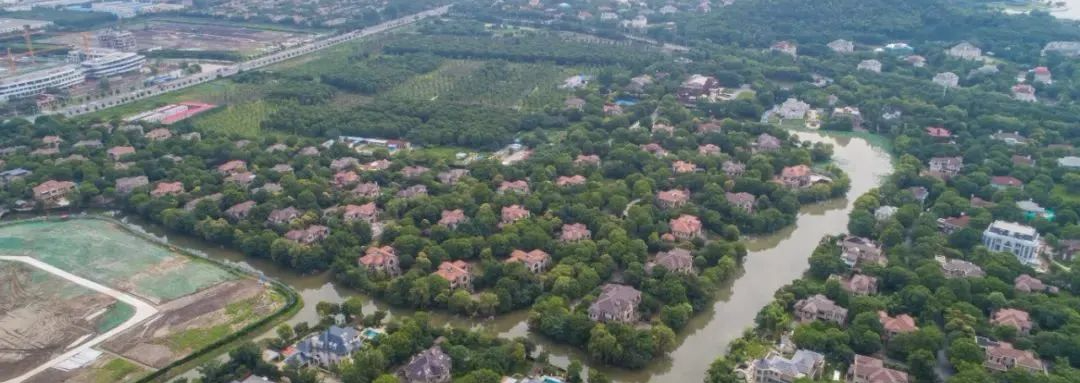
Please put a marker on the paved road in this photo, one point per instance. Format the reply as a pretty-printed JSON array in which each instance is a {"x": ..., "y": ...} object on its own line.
[
  {"x": 255, "y": 63},
  {"x": 143, "y": 311}
]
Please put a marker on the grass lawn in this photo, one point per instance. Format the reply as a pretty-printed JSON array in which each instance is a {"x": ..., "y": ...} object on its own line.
[
  {"x": 119, "y": 313},
  {"x": 220, "y": 92},
  {"x": 489, "y": 83},
  {"x": 117, "y": 370},
  {"x": 1061, "y": 192},
  {"x": 197, "y": 338},
  {"x": 243, "y": 119}
]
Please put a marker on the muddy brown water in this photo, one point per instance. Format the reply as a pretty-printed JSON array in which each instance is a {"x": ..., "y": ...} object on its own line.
[{"x": 773, "y": 261}]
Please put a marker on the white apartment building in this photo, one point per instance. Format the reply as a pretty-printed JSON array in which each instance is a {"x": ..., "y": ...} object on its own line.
[
  {"x": 1020, "y": 240},
  {"x": 34, "y": 83}
]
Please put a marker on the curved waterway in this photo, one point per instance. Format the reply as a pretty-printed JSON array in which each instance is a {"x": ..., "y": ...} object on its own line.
[{"x": 773, "y": 261}]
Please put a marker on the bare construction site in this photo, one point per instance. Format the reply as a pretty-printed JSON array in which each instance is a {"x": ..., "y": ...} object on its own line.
[{"x": 87, "y": 301}]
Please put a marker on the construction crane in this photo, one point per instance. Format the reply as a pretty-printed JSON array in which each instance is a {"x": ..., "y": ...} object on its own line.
[{"x": 29, "y": 45}]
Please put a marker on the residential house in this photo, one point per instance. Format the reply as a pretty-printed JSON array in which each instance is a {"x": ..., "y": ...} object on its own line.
[
  {"x": 1029, "y": 284},
  {"x": 870, "y": 65},
  {"x": 126, "y": 185},
  {"x": 866, "y": 369},
  {"x": 344, "y": 163},
  {"x": 413, "y": 191},
  {"x": 859, "y": 284},
  {"x": 915, "y": 61},
  {"x": 457, "y": 273},
  {"x": 1002, "y": 357},
  {"x": 1033, "y": 210},
  {"x": 514, "y": 213},
  {"x": 1064, "y": 48},
  {"x": 857, "y": 251},
  {"x": 167, "y": 188},
  {"x": 1021, "y": 240},
  {"x": 697, "y": 87},
  {"x": 949, "y": 225},
  {"x": 53, "y": 192},
  {"x": 710, "y": 126},
  {"x": 1003, "y": 182},
  {"x": 1024, "y": 92},
  {"x": 638, "y": 84},
  {"x": 52, "y": 142},
  {"x": 743, "y": 201},
  {"x": 818, "y": 307},
  {"x": 709, "y": 150},
  {"x": 939, "y": 133},
  {"x": 1042, "y": 75},
  {"x": 842, "y": 46},
  {"x": 883, "y": 213},
  {"x": 308, "y": 151},
  {"x": 947, "y": 79},
  {"x": 1019, "y": 160},
  {"x": 1011, "y": 139},
  {"x": 326, "y": 348},
  {"x": 1018, "y": 319},
  {"x": 677, "y": 260},
  {"x": 452, "y": 176},
  {"x": 919, "y": 193},
  {"x": 797, "y": 176},
  {"x": 414, "y": 171},
  {"x": 792, "y": 109},
  {"x": 683, "y": 167},
  {"x": 232, "y": 167},
  {"x": 241, "y": 178},
  {"x": 616, "y": 303},
  {"x": 900, "y": 324},
  {"x": 587, "y": 159},
  {"x": 663, "y": 128},
  {"x": 965, "y": 51},
  {"x": 573, "y": 232},
  {"x": 429, "y": 366},
  {"x": 382, "y": 260},
  {"x": 654, "y": 149},
  {"x": 574, "y": 103},
  {"x": 517, "y": 187},
  {"x": 535, "y": 261},
  {"x": 573, "y": 180},
  {"x": 774, "y": 368},
  {"x": 308, "y": 235},
  {"x": 946, "y": 167},
  {"x": 958, "y": 268},
  {"x": 612, "y": 109},
  {"x": 785, "y": 47},
  {"x": 345, "y": 178},
  {"x": 283, "y": 216},
  {"x": 453, "y": 218},
  {"x": 366, "y": 190},
  {"x": 240, "y": 210},
  {"x": 159, "y": 134},
  {"x": 674, "y": 198},
  {"x": 117, "y": 152},
  {"x": 686, "y": 227},
  {"x": 282, "y": 168},
  {"x": 367, "y": 212},
  {"x": 733, "y": 169},
  {"x": 8, "y": 176},
  {"x": 375, "y": 166}
]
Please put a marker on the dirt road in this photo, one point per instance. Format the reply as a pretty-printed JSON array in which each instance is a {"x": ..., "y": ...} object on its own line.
[{"x": 143, "y": 311}]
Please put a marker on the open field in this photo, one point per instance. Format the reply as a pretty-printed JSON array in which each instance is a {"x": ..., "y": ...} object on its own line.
[
  {"x": 243, "y": 119},
  {"x": 186, "y": 304},
  {"x": 179, "y": 34},
  {"x": 221, "y": 92},
  {"x": 489, "y": 83},
  {"x": 42, "y": 314}
]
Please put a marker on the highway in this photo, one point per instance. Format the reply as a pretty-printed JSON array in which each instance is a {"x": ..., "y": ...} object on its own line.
[
  {"x": 252, "y": 64},
  {"x": 143, "y": 311}
]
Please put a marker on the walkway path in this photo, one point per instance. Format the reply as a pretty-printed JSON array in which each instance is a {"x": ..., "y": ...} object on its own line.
[{"x": 143, "y": 311}]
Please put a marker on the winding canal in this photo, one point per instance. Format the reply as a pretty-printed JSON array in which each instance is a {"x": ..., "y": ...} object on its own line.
[{"x": 773, "y": 261}]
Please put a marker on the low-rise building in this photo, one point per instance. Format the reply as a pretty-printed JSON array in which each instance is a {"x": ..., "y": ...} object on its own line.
[
  {"x": 774, "y": 368},
  {"x": 367, "y": 212},
  {"x": 686, "y": 227},
  {"x": 1018, "y": 319},
  {"x": 518, "y": 187},
  {"x": 1042, "y": 75},
  {"x": 167, "y": 188},
  {"x": 159, "y": 134},
  {"x": 240, "y": 210},
  {"x": 1024, "y": 92},
  {"x": 743, "y": 201},
  {"x": 818, "y": 307},
  {"x": 573, "y": 232},
  {"x": 842, "y": 46},
  {"x": 859, "y": 284},
  {"x": 1004, "y": 182},
  {"x": 958, "y": 268},
  {"x": 866, "y": 369},
  {"x": 856, "y": 251},
  {"x": 232, "y": 167},
  {"x": 308, "y": 235},
  {"x": 965, "y": 51},
  {"x": 326, "y": 348},
  {"x": 452, "y": 176},
  {"x": 733, "y": 169},
  {"x": 947, "y": 79},
  {"x": 1029, "y": 284},
  {"x": 587, "y": 159},
  {"x": 457, "y": 273},
  {"x": 949, "y": 225},
  {"x": 677, "y": 260},
  {"x": 1002, "y": 357},
  {"x": 794, "y": 177},
  {"x": 53, "y": 192},
  {"x": 514, "y": 213},
  {"x": 946, "y": 167},
  {"x": 683, "y": 167},
  {"x": 1021, "y": 240},
  {"x": 117, "y": 152},
  {"x": 126, "y": 185},
  {"x": 382, "y": 260},
  {"x": 535, "y": 261},
  {"x": 674, "y": 198},
  {"x": 453, "y": 218},
  {"x": 870, "y": 65},
  {"x": 283, "y": 216},
  {"x": 564, "y": 181},
  {"x": 900, "y": 324},
  {"x": 616, "y": 303},
  {"x": 429, "y": 366}
]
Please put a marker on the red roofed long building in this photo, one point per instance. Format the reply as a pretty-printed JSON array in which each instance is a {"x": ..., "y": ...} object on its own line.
[{"x": 53, "y": 191}]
